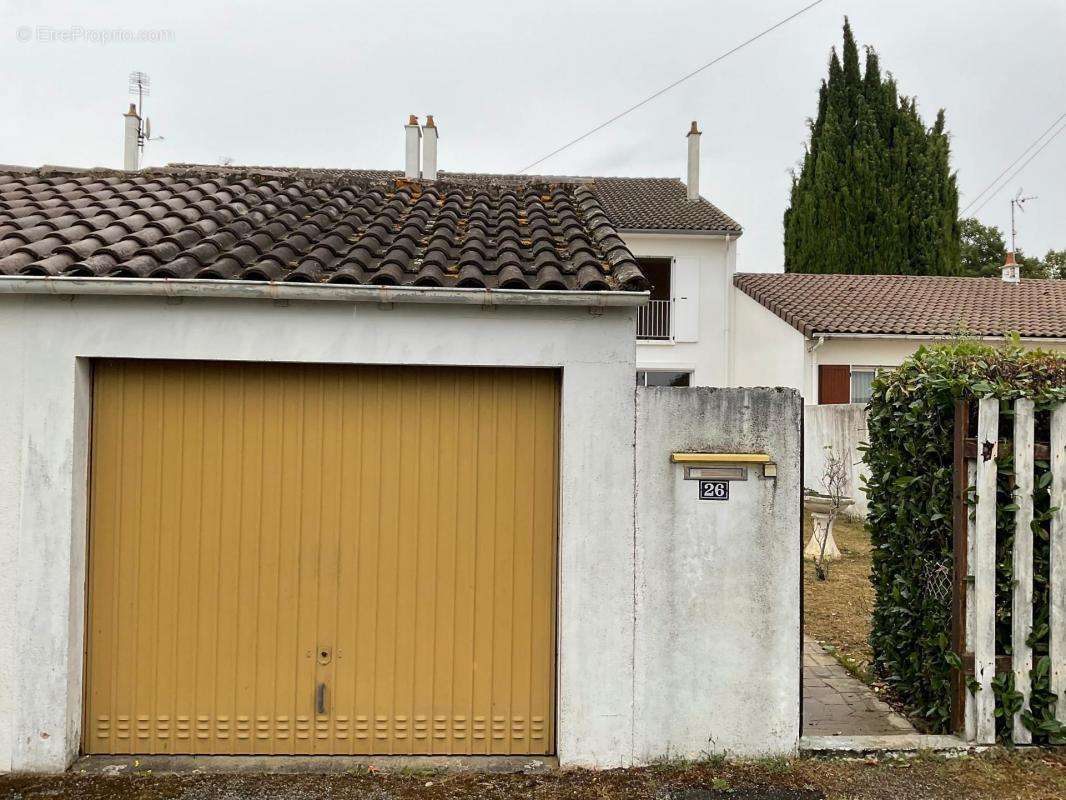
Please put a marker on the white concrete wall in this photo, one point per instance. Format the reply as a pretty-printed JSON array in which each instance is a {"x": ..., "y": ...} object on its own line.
[
  {"x": 11, "y": 398},
  {"x": 717, "y": 612},
  {"x": 843, "y": 427},
  {"x": 878, "y": 352},
  {"x": 766, "y": 350},
  {"x": 44, "y": 403},
  {"x": 707, "y": 357}
]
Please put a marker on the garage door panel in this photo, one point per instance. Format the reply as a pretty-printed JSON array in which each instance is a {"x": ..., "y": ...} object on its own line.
[{"x": 260, "y": 530}]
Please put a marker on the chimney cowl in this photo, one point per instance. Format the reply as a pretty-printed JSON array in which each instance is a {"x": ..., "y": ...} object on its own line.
[{"x": 1011, "y": 272}]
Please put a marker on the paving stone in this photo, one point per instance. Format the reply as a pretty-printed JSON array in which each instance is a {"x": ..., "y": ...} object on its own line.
[{"x": 837, "y": 704}]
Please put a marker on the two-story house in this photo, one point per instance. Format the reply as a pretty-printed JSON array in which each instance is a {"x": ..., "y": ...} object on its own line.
[
  {"x": 687, "y": 250},
  {"x": 685, "y": 245}
]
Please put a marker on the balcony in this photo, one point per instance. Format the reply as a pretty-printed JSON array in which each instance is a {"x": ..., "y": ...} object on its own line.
[{"x": 653, "y": 321}]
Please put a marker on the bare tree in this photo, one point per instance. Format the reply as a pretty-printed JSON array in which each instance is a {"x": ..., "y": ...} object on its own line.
[{"x": 835, "y": 483}]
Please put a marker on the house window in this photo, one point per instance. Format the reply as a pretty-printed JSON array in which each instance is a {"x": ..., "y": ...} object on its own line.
[
  {"x": 654, "y": 319},
  {"x": 833, "y": 384},
  {"x": 861, "y": 380},
  {"x": 658, "y": 377}
]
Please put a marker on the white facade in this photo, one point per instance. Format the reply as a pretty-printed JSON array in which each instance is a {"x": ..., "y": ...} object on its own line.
[
  {"x": 44, "y": 437},
  {"x": 46, "y": 364},
  {"x": 701, "y": 288},
  {"x": 764, "y": 349}
]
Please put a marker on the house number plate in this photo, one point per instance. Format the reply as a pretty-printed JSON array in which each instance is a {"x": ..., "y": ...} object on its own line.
[{"x": 714, "y": 490}]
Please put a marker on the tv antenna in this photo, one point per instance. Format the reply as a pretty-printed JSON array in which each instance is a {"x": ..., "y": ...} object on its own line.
[
  {"x": 141, "y": 86},
  {"x": 1017, "y": 202}
]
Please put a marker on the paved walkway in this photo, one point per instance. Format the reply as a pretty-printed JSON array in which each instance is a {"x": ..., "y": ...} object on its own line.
[{"x": 836, "y": 704}]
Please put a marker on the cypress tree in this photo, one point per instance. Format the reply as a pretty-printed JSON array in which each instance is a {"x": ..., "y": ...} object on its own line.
[{"x": 875, "y": 192}]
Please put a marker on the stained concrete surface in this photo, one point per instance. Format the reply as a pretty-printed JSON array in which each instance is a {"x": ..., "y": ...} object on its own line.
[
  {"x": 339, "y": 786},
  {"x": 836, "y": 704},
  {"x": 717, "y": 627},
  {"x": 321, "y": 765}
]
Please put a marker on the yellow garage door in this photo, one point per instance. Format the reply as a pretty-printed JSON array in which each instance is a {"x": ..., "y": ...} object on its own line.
[{"x": 307, "y": 559}]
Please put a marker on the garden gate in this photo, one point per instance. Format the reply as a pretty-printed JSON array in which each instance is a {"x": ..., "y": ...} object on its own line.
[{"x": 973, "y": 612}]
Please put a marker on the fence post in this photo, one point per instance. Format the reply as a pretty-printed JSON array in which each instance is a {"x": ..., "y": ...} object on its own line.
[
  {"x": 960, "y": 566},
  {"x": 984, "y": 585},
  {"x": 1057, "y": 578},
  {"x": 971, "y": 559},
  {"x": 1022, "y": 608}
]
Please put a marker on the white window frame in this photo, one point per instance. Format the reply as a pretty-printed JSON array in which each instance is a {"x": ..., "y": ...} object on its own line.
[
  {"x": 852, "y": 369},
  {"x": 670, "y": 341},
  {"x": 683, "y": 370}
]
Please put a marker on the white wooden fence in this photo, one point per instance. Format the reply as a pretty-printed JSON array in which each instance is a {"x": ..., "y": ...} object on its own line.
[{"x": 977, "y": 582}]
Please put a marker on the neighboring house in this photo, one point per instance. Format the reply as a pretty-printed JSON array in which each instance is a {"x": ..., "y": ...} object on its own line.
[
  {"x": 337, "y": 462},
  {"x": 827, "y": 335}
]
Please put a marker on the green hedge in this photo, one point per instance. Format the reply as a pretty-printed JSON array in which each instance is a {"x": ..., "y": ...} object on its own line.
[{"x": 909, "y": 488}]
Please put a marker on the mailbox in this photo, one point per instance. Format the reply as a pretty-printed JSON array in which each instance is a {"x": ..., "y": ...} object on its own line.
[{"x": 723, "y": 466}]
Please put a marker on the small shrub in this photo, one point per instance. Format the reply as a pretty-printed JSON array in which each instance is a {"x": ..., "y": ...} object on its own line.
[{"x": 909, "y": 455}]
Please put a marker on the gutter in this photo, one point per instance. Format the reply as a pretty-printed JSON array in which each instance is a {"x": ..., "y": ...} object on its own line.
[
  {"x": 678, "y": 232},
  {"x": 812, "y": 351},
  {"x": 927, "y": 337},
  {"x": 344, "y": 293}
]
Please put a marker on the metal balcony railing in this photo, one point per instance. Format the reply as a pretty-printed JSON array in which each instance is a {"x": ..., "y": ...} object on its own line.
[{"x": 654, "y": 320}]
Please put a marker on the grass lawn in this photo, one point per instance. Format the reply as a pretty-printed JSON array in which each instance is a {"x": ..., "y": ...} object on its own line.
[
  {"x": 837, "y": 611},
  {"x": 1032, "y": 775}
]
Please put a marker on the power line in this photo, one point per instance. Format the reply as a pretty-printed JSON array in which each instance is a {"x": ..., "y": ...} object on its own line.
[
  {"x": 1011, "y": 164},
  {"x": 1017, "y": 171},
  {"x": 667, "y": 88}
]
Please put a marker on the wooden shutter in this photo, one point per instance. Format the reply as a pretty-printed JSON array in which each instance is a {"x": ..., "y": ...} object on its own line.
[
  {"x": 686, "y": 291},
  {"x": 834, "y": 383}
]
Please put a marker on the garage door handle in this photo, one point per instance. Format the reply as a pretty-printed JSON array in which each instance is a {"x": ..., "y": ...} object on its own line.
[{"x": 320, "y": 699}]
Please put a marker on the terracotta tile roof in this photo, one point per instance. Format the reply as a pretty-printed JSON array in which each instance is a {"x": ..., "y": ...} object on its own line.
[
  {"x": 256, "y": 224},
  {"x": 659, "y": 204},
  {"x": 911, "y": 305},
  {"x": 631, "y": 203}
]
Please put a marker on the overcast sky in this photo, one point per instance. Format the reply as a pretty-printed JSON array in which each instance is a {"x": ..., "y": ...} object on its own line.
[{"x": 330, "y": 84}]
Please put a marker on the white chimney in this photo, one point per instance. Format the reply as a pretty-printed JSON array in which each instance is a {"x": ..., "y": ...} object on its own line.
[
  {"x": 694, "y": 162},
  {"x": 429, "y": 149},
  {"x": 130, "y": 150},
  {"x": 1011, "y": 271},
  {"x": 413, "y": 149}
]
